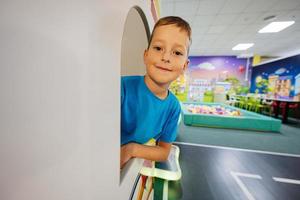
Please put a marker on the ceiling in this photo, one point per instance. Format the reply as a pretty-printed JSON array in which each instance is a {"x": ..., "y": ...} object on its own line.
[{"x": 218, "y": 25}]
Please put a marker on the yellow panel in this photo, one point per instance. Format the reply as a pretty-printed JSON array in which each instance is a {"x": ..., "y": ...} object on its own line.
[
  {"x": 256, "y": 60},
  {"x": 157, "y": 6}
]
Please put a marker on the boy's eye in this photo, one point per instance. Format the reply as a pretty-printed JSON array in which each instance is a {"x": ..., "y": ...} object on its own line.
[
  {"x": 178, "y": 53},
  {"x": 157, "y": 48}
]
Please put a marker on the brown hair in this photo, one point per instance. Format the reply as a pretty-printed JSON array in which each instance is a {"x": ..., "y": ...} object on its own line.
[{"x": 179, "y": 22}]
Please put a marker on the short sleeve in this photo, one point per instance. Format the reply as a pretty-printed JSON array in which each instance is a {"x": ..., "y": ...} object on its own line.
[
  {"x": 169, "y": 131},
  {"x": 122, "y": 91}
]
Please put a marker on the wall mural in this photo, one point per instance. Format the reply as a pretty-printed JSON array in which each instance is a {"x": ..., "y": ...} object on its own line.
[
  {"x": 280, "y": 79},
  {"x": 217, "y": 68},
  {"x": 212, "y": 74}
]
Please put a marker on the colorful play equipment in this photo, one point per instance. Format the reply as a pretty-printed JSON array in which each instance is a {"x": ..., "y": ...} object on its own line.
[
  {"x": 208, "y": 96},
  {"x": 225, "y": 116},
  {"x": 253, "y": 103},
  {"x": 212, "y": 109}
]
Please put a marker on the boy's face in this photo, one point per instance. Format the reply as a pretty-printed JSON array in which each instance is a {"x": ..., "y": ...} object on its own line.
[{"x": 167, "y": 56}]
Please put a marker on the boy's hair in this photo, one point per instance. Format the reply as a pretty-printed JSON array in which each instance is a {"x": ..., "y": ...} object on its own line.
[{"x": 179, "y": 22}]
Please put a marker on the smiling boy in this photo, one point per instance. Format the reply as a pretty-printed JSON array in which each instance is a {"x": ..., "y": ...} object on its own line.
[{"x": 148, "y": 108}]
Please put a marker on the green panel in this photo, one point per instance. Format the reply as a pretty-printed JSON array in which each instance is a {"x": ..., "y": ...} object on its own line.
[
  {"x": 174, "y": 189},
  {"x": 158, "y": 188}
]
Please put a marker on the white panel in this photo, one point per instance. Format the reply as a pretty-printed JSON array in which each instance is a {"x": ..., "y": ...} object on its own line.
[{"x": 59, "y": 83}]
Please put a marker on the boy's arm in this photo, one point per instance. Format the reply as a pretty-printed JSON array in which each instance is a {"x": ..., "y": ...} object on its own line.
[{"x": 154, "y": 153}]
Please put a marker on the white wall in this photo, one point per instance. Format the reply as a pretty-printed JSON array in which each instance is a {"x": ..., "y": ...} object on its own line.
[{"x": 59, "y": 99}]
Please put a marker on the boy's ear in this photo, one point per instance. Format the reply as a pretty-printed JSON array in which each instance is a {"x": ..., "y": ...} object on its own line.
[
  {"x": 186, "y": 64},
  {"x": 145, "y": 55}
]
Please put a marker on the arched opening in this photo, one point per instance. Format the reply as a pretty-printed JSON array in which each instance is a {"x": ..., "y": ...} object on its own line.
[{"x": 135, "y": 40}]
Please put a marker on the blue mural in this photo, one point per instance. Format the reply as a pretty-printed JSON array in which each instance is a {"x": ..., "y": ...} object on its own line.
[{"x": 280, "y": 78}]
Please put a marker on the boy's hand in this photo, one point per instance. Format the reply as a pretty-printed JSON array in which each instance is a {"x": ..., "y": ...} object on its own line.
[{"x": 126, "y": 153}]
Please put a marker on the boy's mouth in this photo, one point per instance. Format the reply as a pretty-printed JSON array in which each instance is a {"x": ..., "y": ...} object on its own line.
[{"x": 164, "y": 68}]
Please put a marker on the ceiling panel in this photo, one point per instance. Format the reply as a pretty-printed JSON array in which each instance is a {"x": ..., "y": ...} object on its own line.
[
  {"x": 234, "y": 6},
  {"x": 291, "y": 15},
  {"x": 203, "y": 20},
  {"x": 286, "y": 5},
  {"x": 184, "y": 8},
  {"x": 189, "y": 18},
  {"x": 216, "y": 29},
  {"x": 199, "y": 30},
  {"x": 251, "y": 29},
  {"x": 260, "y": 6},
  {"x": 168, "y": 8},
  {"x": 208, "y": 7},
  {"x": 224, "y": 19},
  {"x": 247, "y": 18},
  {"x": 233, "y": 29}
]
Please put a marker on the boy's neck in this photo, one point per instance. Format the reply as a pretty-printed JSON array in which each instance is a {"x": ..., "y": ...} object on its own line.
[{"x": 159, "y": 90}]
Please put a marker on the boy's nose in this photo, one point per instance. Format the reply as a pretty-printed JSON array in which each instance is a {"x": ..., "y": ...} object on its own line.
[{"x": 165, "y": 57}]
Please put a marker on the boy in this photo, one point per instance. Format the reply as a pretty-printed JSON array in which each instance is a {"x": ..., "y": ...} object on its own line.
[{"x": 148, "y": 108}]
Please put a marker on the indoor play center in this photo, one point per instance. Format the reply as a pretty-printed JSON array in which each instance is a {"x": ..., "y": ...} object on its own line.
[{"x": 238, "y": 135}]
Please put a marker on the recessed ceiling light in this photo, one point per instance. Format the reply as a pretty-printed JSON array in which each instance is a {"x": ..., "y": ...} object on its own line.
[
  {"x": 275, "y": 27},
  {"x": 242, "y": 46}
]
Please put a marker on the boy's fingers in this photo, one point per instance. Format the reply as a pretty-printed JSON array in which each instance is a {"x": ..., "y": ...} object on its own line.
[
  {"x": 124, "y": 156},
  {"x": 124, "y": 161}
]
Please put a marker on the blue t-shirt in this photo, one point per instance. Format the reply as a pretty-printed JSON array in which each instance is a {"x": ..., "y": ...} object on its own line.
[{"x": 144, "y": 115}]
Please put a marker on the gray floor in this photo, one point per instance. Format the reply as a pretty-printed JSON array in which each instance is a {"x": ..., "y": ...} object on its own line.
[
  {"x": 286, "y": 141},
  {"x": 213, "y": 174},
  {"x": 225, "y": 164},
  {"x": 214, "y": 168}
]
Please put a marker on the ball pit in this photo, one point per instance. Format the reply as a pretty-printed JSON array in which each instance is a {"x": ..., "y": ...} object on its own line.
[
  {"x": 213, "y": 110},
  {"x": 218, "y": 115}
]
